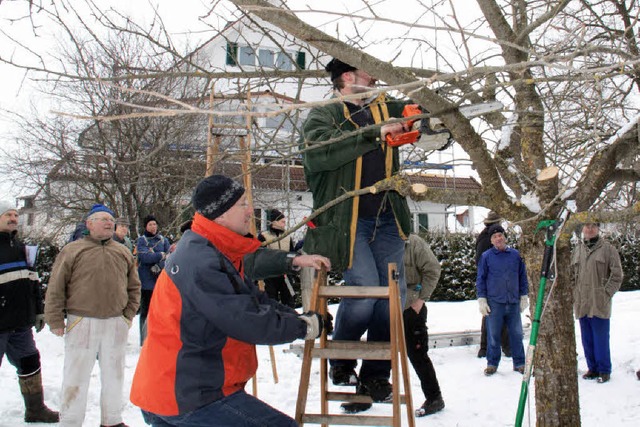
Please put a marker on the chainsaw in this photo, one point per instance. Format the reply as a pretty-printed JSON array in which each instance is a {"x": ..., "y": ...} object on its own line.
[{"x": 430, "y": 133}]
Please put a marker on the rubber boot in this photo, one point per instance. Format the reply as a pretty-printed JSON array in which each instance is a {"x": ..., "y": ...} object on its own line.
[{"x": 36, "y": 411}]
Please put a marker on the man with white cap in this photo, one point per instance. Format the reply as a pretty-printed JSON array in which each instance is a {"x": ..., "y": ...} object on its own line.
[{"x": 21, "y": 308}]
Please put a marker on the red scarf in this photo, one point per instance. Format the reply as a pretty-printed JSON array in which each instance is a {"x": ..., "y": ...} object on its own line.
[{"x": 231, "y": 244}]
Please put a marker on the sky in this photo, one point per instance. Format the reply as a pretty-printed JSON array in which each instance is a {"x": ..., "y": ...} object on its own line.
[
  {"x": 471, "y": 399},
  {"x": 19, "y": 91}
]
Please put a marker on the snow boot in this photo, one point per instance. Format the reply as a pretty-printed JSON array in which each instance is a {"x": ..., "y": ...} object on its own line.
[
  {"x": 36, "y": 411},
  {"x": 430, "y": 406}
]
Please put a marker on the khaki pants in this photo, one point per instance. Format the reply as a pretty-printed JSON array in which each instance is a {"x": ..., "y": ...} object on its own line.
[{"x": 85, "y": 340}]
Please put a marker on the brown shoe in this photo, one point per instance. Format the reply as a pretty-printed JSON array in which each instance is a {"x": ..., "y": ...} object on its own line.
[
  {"x": 519, "y": 369},
  {"x": 490, "y": 370},
  {"x": 603, "y": 378}
]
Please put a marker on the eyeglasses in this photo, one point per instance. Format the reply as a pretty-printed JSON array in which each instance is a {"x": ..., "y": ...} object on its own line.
[{"x": 103, "y": 219}]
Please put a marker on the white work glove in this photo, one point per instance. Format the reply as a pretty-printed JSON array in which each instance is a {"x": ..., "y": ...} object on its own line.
[
  {"x": 314, "y": 324},
  {"x": 484, "y": 306},
  {"x": 524, "y": 303}
]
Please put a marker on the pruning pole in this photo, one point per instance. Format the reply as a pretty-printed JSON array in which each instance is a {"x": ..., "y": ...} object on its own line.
[{"x": 552, "y": 227}]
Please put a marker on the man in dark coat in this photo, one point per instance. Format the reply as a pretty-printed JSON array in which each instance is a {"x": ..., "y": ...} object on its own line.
[
  {"x": 21, "y": 308},
  {"x": 483, "y": 242},
  {"x": 278, "y": 288}
]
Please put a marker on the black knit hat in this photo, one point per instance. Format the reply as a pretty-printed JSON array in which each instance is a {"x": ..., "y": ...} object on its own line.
[
  {"x": 215, "y": 195},
  {"x": 147, "y": 219},
  {"x": 337, "y": 67},
  {"x": 497, "y": 228},
  {"x": 275, "y": 215}
]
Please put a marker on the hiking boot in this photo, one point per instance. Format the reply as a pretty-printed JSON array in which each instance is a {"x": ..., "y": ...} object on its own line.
[
  {"x": 519, "y": 369},
  {"x": 638, "y": 374},
  {"x": 356, "y": 407},
  {"x": 482, "y": 353},
  {"x": 603, "y": 378},
  {"x": 430, "y": 406},
  {"x": 341, "y": 375},
  {"x": 590, "y": 375},
  {"x": 490, "y": 370},
  {"x": 379, "y": 389}
]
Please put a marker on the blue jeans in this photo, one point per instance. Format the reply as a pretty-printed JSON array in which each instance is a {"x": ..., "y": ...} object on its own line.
[
  {"x": 500, "y": 314},
  {"x": 237, "y": 410},
  {"x": 377, "y": 244},
  {"x": 595, "y": 342}
]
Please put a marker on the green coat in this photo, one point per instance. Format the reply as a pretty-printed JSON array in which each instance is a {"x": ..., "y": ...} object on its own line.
[
  {"x": 332, "y": 169},
  {"x": 421, "y": 267}
]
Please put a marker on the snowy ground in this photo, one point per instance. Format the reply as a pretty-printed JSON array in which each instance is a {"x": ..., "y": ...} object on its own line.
[{"x": 471, "y": 398}]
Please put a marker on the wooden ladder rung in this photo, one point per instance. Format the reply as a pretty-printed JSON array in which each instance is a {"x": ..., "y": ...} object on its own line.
[
  {"x": 341, "y": 396},
  {"x": 352, "y": 420},
  {"x": 353, "y": 350},
  {"x": 353, "y": 292}
]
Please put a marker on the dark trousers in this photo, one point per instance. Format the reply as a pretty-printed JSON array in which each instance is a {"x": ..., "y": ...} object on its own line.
[
  {"x": 145, "y": 301},
  {"x": 277, "y": 289},
  {"x": 21, "y": 351},
  {"x": 417, "y": 338},
  {"x": 504, "y": 337}
]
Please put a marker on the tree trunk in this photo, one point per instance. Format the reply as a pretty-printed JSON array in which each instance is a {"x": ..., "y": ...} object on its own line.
[{"x": 555, "y": 363}]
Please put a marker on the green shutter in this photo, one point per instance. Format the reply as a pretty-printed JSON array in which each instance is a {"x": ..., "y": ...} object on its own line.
[
  {"x": 301, "y": 60},
  {"x": 232, "y": 53}
]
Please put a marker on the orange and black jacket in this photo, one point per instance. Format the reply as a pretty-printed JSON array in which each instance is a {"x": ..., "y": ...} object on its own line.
[{"x": 204, "y": 321}]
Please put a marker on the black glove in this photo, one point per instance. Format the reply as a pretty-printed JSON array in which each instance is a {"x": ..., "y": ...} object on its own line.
[
  {"x": 39, "y": 322},
  {"x": 328, "y": 323},
  {"x": 315, "y": 322}
]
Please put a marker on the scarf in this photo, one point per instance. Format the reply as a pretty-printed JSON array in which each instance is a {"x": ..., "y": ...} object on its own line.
[{"x": 231, "y": 244}]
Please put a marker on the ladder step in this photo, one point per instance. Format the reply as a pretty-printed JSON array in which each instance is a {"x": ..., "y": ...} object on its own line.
[
  {"x": 351, "y": 420},
  {"x": 353, "y": 350},
  {"x": 353, "y": 292},
  {"x": 341, "y": 396}
]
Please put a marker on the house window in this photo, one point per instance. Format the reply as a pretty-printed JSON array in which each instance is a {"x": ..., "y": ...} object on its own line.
[
  {"x": 266, "y": 58},
  {"x": 283, "y": 62},
  {"x": 232, "y": 53},
  {"x": 301, "y": 60},
  {"x": 30, "y": 219},
  {"x": 423, "y": 222},
  {"x": 247, "y": 56}
]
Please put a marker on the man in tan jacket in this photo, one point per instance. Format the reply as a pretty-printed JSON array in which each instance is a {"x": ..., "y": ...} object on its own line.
[
  {"x": 597, "y": 275},
  {"x": 96, "y": 281}
]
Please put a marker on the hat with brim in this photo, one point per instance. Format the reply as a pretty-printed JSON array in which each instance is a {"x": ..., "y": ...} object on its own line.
[{"x": 492, "y": 218}]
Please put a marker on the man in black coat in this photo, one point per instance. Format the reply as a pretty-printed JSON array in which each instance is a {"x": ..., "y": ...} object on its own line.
[
  {"x": 483, "y": 242},
  {"x": 21, "y": 308}
]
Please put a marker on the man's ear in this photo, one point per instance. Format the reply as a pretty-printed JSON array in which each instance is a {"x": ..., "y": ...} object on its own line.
[{"x": 349, "y": 77}]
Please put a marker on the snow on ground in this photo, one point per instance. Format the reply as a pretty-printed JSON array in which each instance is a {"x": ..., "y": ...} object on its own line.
[{"x": 471, "y": 398}]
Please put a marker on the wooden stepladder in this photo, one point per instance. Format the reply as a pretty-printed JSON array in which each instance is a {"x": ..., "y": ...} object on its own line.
[{"x": 395, "y": 350}]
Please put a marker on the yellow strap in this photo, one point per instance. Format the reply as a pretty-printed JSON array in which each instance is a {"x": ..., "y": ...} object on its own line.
[{"x": 73, "y": 324}]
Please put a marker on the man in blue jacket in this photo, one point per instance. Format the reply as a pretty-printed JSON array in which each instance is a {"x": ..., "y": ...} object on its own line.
[
  {"x": 152, "y": 249},
  {"x": 503, "y": 289}
]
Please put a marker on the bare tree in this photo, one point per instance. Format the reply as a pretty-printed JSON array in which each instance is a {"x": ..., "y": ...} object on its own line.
[{"x": 567, "y": 71}]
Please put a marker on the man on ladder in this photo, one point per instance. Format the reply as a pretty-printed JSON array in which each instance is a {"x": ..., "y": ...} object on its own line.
[{"x": 362, "y": 235}]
